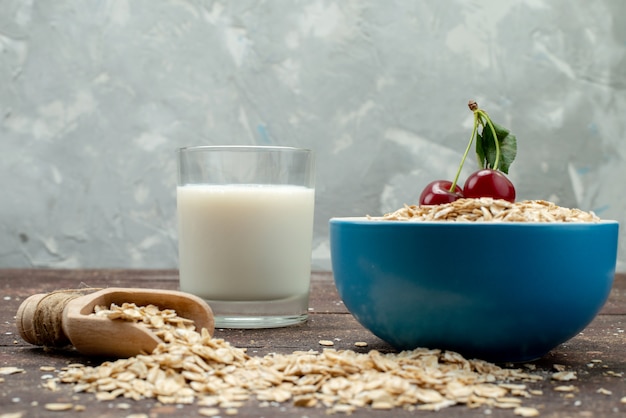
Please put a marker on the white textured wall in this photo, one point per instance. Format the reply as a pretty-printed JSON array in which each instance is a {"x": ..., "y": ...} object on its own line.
[{"x": 95, "y": 96}]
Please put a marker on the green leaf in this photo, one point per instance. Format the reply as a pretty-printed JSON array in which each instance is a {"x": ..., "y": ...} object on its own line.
[
  {"x": 486, "y": 147},
  {"x": 508, "y": 152}
]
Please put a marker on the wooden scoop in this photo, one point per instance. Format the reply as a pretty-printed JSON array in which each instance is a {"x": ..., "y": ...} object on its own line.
[{"x": 101, "y": 336}]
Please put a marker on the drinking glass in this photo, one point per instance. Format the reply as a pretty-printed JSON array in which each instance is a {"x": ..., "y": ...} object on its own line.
[{"x": 245, "y": 225}]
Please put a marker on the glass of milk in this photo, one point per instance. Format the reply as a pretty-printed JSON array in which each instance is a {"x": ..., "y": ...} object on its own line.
[{"x": 245, "y": 226}]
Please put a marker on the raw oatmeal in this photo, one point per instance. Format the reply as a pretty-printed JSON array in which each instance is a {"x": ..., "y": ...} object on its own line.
[
  {"x": 193, "y": 367},
  {"x": 486, "y": 209}
]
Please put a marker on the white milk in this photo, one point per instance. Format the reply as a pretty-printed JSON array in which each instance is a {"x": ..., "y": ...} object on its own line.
[{"x": 245, "y": 242}]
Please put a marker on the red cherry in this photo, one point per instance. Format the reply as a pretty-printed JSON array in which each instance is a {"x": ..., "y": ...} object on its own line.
[
  {"x": 438, "y": 192},
  {"x": 489, "y": 183}
]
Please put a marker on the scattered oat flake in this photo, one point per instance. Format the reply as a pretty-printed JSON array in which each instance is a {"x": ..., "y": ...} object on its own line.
[
  {"x": 342, "y": 408},
  {"x": 59, "y": 406},
  {"x": 208, "y": 412},
  {"x": 326, "y": 343},
  {"x": 526, "y": 411},
  {"x": 564, "y": 376},
  {"x": 623, "y": 400},
  {"x": 75, "y": 365},
  {"x": 12, "y": 415},
  {"x": 51, "y": 384},
  {"x": 603, "y": 391},
  {"x": 10, "y": 370},
  {"x": 569, "y": 388},
  {"x": 360, "y": 344},
  {"x": 47, "y": 368},
  {"x": 613, "y": 374}
]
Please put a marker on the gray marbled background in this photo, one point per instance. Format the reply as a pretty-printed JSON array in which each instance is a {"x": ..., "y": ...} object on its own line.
[{"x": 95, "y": 96}]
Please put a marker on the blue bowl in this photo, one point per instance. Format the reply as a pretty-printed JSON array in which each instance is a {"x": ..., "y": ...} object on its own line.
[{"x": 502, "y": 292}]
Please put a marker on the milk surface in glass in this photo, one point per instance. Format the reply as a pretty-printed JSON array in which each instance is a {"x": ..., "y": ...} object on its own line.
[{"x": 245, "y": 242}]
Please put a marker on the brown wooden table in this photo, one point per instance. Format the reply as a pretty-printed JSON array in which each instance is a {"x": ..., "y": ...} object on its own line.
[{"x": 597, "y": 355}]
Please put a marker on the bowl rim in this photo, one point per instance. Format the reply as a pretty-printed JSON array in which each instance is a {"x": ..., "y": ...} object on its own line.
[{"x": 378, "y": 220}]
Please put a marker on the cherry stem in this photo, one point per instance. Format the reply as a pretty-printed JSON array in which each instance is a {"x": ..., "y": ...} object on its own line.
[
  {"x": 479, "y": 115},
  {"x": 495, "y": 137},
  {"x": 469, "y": 146}
]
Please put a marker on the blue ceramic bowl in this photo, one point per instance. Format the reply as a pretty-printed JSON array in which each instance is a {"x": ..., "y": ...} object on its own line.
[{"x": 503, "y": 292}]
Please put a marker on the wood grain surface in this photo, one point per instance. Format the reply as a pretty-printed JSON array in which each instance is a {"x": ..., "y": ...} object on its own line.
[{"x": 597, "y": 355}]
